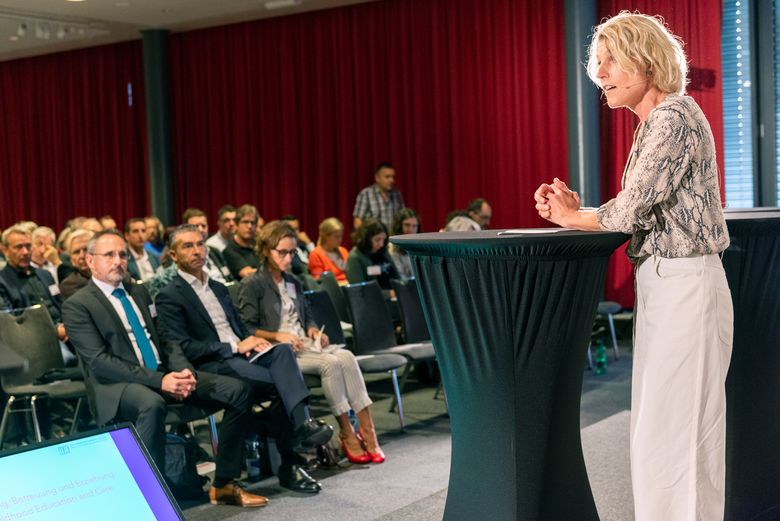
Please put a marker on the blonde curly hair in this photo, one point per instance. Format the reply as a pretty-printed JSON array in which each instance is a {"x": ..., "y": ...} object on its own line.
[{"x": 641, "y": 44}]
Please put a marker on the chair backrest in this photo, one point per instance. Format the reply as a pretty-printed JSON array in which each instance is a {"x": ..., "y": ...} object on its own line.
[
  {"x": 329, "y": 283},
  {"x": 309, "y": 282},
  {"x": 232, "y": 288},
  {"x": 372, "y": 326},
  {"x": 412, "y": 317},
  {"x": 324, "y": 314},
  {"x": 32, "y": 336}
]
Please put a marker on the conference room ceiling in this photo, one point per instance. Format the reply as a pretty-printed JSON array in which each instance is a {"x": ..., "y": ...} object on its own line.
[{"x": 35, "y": 27}]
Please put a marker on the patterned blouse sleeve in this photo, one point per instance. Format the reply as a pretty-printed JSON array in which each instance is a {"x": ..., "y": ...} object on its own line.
[{"x": 662, "y": 157}]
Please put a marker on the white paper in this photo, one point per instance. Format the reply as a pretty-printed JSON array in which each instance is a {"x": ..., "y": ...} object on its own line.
[
  {"x": 533, "y": 231},
  {"x": 261, "y": 353}
]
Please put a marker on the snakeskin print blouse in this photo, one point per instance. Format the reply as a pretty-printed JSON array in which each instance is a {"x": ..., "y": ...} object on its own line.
[{"x": 670, "y": 201}]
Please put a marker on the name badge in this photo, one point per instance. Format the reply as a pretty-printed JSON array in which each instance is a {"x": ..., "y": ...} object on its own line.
[
  {"x": 54, "y": 290},
  {"x": 374, "y": 271},
  {"x": 153, "y": 310},
  {"x": 225, "y": 271},
  {"x": 291, "y": 290}
]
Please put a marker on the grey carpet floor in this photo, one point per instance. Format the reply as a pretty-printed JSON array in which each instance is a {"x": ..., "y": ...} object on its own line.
[{"x": 412, "y": 484}]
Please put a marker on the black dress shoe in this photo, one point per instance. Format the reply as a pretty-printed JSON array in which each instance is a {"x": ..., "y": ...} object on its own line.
[
  {"x": 298, "y": 480},
  {"x": 311, "y": 434}
]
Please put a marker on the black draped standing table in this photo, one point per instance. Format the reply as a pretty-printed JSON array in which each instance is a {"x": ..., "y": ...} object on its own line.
[
  {"x": 510, "y": 317},
  {"x": 752, "y": 265}
]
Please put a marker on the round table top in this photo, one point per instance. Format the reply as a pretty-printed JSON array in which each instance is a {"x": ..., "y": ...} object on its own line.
[{"x": 527, "y": 242}]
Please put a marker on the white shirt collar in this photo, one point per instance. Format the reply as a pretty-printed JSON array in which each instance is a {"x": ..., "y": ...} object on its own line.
[
  {"x": 106, "y": 287},
  {"x": 191, "y": 279},
  {"x": 138, "y": 256}
]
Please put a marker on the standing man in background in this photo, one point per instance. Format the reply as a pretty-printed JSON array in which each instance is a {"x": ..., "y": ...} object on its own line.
[{"x": 380, "y": 200}]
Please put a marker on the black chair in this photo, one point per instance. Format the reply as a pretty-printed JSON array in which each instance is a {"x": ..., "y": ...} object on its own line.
[
  {"x": 33, "y": 337},
  {"x": 185, "y": 414},
  {"x": 412, "y": 318},
  {"x": 609, "y": 309},
  {"x": 309, "y": 282},
  {"x": 323, "y": 313},
  {"x": 373, "y": 330},
  {"x": 329, "y": 283},
  {"x": 232, "y": 288}
]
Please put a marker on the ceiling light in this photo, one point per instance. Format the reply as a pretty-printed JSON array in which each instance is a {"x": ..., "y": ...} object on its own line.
[
  {"x": 279, "y": 4},
  {"x": 46, "y": 28}
]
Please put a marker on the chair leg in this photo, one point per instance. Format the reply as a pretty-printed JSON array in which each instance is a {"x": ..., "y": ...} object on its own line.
[
  {"x": 75, "y": 421},
  {"x": 397, "y": 398},
  {"x": 214, "y": 436},
  {"x": 34, "y": 414},
  {"x": 4, "y": 422},
  {"x": 614, "y": 336},
  {"x": 404, "y": 376}
]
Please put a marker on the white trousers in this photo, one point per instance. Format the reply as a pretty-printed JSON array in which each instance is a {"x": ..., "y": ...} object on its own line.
[
  {"x": 682, "y": 349},
  {"x": 342, "y": 381}
]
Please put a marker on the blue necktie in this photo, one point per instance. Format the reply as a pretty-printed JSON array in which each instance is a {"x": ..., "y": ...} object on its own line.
[{"x": 147, "y": 353}]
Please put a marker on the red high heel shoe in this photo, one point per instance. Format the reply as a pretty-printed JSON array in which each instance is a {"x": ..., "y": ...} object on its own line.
[
  {"x": 378, "y": 456},
  {"x": 361, "y": 458}
]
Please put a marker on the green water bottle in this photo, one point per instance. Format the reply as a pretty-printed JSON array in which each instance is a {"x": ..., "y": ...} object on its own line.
[{"x": 601, "y": 358}]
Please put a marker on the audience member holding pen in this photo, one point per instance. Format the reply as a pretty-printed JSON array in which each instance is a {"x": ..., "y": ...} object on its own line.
[{"x": 271, "y": 303}]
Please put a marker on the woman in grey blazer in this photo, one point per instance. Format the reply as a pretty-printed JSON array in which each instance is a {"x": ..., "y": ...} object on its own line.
[{"x": 271, "y": 304}]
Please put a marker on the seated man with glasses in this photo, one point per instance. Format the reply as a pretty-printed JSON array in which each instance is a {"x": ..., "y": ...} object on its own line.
[{"x": 133, "y": 372}]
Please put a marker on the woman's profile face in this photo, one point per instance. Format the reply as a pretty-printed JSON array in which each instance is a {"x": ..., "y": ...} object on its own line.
[
  {"x": 333, "y": 240},
  {"x": 620, "y": 88},
  {"x": 410, "y": 225},
  {"x": 378, "y": 241}
]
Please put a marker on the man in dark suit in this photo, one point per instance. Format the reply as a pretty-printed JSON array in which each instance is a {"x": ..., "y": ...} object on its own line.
[
  {"x": 22, "y": 285},
  {"x": 132, "y": 373},
  {"x": 142, "y": 264},
  {"x": 198, "y": 314}
]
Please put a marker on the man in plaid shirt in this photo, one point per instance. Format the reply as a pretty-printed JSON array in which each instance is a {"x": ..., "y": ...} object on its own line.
[{"x": 379, "y": 200}]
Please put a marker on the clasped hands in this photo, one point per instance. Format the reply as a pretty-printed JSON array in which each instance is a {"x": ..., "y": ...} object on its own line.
[
  {"x": 179, "y": 384},
  {"x": 556, "y": 202}
]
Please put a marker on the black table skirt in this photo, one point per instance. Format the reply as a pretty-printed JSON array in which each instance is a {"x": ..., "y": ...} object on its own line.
[
  {"x": 752, "y": 265},
  {"x": 510, "y": 319}
]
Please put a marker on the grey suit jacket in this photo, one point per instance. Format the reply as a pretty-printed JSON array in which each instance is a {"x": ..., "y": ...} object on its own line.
[
  {"x": 105, "y": 350},
  {"x": 260, "y": 303}
]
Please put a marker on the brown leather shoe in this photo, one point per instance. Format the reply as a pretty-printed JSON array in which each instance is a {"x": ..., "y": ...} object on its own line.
[{"x": 233, "y": 494}]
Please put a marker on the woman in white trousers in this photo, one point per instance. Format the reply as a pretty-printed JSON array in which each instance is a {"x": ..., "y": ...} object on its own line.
[{"x": 670, "y": 204}]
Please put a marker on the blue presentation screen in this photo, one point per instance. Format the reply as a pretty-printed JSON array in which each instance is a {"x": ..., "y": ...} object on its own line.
[{"x": 102, "y": 476}]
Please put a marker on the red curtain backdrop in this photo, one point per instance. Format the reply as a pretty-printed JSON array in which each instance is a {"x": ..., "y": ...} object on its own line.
[
  {"x": 465, "y": 97},
  {"x": 71, "y": 144},
  {"x": 698, "y": 23}
]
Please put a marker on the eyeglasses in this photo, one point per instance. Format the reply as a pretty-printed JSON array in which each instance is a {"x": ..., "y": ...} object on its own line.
[
  {"x": 113, "y": 254},
  {"x": 285, "y": 253}
]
